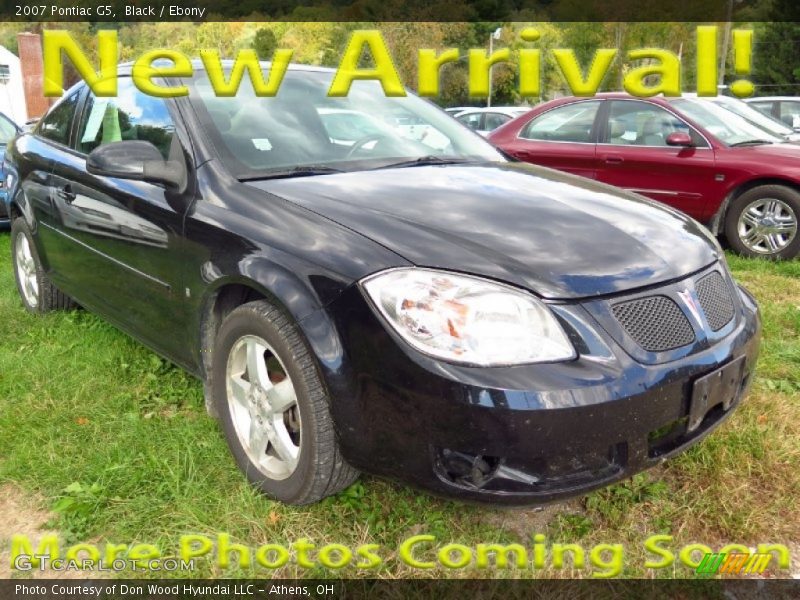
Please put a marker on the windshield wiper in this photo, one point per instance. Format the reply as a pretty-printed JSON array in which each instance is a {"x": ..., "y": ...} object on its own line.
[
  {"x": 751, "y": 143},
  {"x": 299, "y": 171},
  {"x": 425, "y": 160}
]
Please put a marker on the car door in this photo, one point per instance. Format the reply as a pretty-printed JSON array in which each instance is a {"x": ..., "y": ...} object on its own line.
[
  {"x": 50, "y": 142},
  {"x": 633, "y": 154},
  {"x": 124, "y": 240},
  {"x": 562, "y": 138}
]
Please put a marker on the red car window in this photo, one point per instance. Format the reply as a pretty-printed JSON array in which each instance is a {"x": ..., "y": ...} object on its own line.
[{"x": 570, "y": 123}]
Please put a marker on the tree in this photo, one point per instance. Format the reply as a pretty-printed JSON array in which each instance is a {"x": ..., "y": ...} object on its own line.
[
  {"x": 775, "y": 67},
  {"x": 264, "y": 43}
]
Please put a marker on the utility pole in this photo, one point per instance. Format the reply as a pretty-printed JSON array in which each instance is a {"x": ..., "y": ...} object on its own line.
[
  {"x": 723, "y": 59},
  {"x": 495, "y": 36}
]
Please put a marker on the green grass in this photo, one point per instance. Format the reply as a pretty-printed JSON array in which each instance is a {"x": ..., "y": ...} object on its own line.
[{"x": 115, "y": 441}]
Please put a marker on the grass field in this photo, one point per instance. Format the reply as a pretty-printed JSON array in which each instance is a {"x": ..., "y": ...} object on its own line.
[{"x": 115, "y": 445}]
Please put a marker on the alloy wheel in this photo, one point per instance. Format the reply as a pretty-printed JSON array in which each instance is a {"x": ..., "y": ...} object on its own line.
[
  {"x": 26, "y": 271},
  {"x": 263, "y": 407},
  {"x": 767, "y": 225}
]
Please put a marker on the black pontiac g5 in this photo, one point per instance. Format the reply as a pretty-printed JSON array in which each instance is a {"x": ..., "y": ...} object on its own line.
[{"x": 356, "y": 295}]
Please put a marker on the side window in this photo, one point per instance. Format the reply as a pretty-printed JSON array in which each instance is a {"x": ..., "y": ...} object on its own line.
[
  {"x": 132, "y": 115},
  {"x": 569, "y": 123},
  {"x": 471, "y": 120},
  {"x": 790, "y": 113},
  {"x": 633, "y": 123},
  {"x": 56, "y": 124},
  {"x": 765, "y": 107},
  {"x": 494, "y": 120},
  {"x": 7, "y": 130}
]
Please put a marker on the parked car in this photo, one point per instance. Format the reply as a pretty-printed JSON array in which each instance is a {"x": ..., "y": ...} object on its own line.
[
  {"x": 412, "y": 127},
  {"x": 689, "y": 153},
  {"x": 784, "y": 108},
  {"x": 480, "y": 328},
  {"x": 8, "y": 129},
  {"x": 487, "y": 119},
  {"x": 454, "y": 110},
  {"x": 755, "y": 117}
]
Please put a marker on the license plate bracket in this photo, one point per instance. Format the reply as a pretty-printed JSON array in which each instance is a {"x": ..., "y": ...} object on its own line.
[{"x": 721, "y": 386}]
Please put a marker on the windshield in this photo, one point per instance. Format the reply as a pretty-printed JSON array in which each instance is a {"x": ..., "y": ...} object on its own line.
[
  {"x": 751, "y": 115},
  {"x": 303, "y": 129},
  {"x": 726, "y": 126}
]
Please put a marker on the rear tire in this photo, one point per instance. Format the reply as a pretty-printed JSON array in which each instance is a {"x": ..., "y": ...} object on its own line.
[
  {"x": 37, "y": 292},
  {"x": 763, "y": 222},
  {"x": 273, "y": 407}
]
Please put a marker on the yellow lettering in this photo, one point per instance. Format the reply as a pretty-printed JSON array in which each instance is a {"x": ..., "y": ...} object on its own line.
[
  {"x": 246, "y": 61},
  {"x": 668, "y": 69},
  {"x": 384, "y": 70},
  {"x": 580, "y": 86},
  {"x": 144, "y": 72},
  {"x": 56, "y": 43}
]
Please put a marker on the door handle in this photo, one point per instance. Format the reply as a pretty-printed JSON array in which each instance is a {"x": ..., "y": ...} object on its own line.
[
  {"x": 67, "y": 194},
  {"x": 522, "y": 154},
  {"x": 614, "y": 160}
]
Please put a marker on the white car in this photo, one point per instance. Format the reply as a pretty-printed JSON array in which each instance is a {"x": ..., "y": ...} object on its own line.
[
  {"x": 347, "y": 127},
  {"x": 413, "y": 128},
  {"x": 754, "y": 117},
  {"x": 484, "y": 120},
  {"x": 784, "y": 108}
]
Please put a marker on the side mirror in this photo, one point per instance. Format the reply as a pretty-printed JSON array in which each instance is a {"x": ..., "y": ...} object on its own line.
[
  {"x": 137, "y": 160},
  {"x": 679, "y": 138}
]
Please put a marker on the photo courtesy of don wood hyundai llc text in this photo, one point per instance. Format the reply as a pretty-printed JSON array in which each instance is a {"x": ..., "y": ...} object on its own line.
[{"x": 357, "y": 300}]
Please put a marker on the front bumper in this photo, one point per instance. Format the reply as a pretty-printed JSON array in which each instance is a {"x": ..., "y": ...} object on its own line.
[{"x": 523, "y": 434}]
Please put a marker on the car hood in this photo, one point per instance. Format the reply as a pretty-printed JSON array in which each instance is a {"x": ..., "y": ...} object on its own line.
[
  {"x": 558, "y": 235},
  {"x": 786, "y": 153}
]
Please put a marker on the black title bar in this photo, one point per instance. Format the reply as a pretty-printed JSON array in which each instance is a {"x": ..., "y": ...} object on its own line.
[{"x": 105, "y": 11}]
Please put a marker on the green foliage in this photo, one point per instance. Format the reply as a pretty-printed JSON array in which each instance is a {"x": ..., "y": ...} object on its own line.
[
  {"x": 265, "y": 43},
  {"x": 77, "y": 506},
  {"x": 776, "y": 69},
  {"x": 572, "y": 526},
  {"x": 612, "y": 503}
]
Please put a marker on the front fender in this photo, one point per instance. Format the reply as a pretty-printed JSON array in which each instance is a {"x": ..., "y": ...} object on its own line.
[{"x": 301, "y": 292}]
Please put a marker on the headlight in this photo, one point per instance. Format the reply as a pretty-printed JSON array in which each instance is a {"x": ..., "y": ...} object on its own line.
[{"x": 467, "y": 319}]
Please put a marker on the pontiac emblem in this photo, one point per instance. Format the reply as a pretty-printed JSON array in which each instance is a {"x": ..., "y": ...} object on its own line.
[{"x": 690, "y": 300}]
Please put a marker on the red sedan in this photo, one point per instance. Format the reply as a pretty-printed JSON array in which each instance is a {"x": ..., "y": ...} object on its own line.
[{"x": 686, "y": 152}]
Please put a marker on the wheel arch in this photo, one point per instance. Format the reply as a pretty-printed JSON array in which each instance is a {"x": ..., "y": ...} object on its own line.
[
  {"x": 18, "y": 206},
  {"x": 282, "y": 288},
  {"x": 13, "y": 211},
  {"x": 717, "y": 225}
]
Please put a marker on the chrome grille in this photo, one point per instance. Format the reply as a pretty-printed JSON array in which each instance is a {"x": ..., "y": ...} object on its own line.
[
  {"x": 715, "y": 299},
  {"x": 656, "y": 323}
]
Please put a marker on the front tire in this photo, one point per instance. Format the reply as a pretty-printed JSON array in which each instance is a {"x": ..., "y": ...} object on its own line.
[
  {"x": 763, "y": 222},
  {"x": 273, "y": 407},
  {"x": 37, "y": 292}
]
